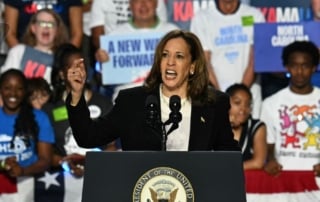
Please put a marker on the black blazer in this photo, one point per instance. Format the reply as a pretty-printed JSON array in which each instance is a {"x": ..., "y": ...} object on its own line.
[{"x": 210, "y": 126}]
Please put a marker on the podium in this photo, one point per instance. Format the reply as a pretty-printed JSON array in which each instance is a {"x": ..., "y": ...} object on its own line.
[{"x": 204, "y": 176}]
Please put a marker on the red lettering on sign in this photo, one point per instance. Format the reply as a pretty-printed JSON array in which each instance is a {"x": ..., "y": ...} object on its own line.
[
  {"x": 269, "y": 14},
  {"x": 272, "y": 16},
  {"x": 183, "y": 11}
]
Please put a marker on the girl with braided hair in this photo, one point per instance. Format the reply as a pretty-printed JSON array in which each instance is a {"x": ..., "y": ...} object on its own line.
[{"x": 26, "y": 136}]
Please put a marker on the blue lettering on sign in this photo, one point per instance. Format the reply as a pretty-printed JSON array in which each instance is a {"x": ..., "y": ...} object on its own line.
[
  {"x": 150, "y": 44},
  {"x": 305, "y": 14},
  {"x": 111, "y": 48},
  {"x": 133, "y": 60},
  {"x": 129, "y": 46}
]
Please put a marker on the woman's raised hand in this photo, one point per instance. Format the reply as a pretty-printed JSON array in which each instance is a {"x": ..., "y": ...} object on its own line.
[{"x": 76, "y": 78}]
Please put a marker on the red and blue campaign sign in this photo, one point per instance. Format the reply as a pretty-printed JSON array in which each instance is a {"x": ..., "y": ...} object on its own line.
[
  {"x": 284, "y": 10},
  {"x": 181, "y": 12},
  {"x": 270, "y": 38}
]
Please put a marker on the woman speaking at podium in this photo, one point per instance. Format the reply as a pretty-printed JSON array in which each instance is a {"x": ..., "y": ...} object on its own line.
[{"x": 174, "y": 110}]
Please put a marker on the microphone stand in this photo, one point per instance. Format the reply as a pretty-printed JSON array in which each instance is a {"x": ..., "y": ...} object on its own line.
[
  {"x": 164, "y": 138},
  {"x": 174, "y": 118},
  {"x": 165, "y": 134}
]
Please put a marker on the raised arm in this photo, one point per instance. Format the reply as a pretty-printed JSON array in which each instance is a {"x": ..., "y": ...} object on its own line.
[
  {"x": 11, "y": 15},
  {"x": 75, "y": 16},
  {"x": 212, "y": 75},
  {"x": 76, "y": 78},
  {"x": 249, "y": 75}
]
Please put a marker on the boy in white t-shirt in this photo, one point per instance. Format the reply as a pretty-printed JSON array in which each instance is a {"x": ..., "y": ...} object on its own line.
[{"x": 292, "y": 114}]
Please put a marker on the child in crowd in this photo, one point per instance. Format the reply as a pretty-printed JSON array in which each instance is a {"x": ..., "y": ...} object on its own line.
[
  {"x": 45, "y": 32},
  {"x": 38, "y": 91},
  {"x": 249, "y": 132},
  {"x": 66, "y": 148},
  {"x": 19, "y": 12}
]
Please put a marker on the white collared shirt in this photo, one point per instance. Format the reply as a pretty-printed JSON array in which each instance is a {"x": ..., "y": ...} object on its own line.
[{"x": 178, "y": 139}]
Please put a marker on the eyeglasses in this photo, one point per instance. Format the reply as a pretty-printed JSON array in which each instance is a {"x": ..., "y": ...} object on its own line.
[{"x": 45, "y": 24}]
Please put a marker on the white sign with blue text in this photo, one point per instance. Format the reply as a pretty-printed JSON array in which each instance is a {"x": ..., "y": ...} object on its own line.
[{"x": 130, "y": 57}]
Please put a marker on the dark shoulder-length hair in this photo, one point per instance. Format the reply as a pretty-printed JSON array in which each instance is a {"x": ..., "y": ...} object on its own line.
[
  {"x": 197, "y": 82},
  {"x": 236, "y": 87},
  {"x": 60, "y": 64},
  {"x": 61, "y": 36}
]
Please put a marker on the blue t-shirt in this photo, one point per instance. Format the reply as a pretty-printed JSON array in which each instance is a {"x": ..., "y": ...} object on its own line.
[{"x": 26, "y": 155}]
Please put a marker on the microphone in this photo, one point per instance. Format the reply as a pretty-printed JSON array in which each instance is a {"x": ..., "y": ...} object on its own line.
[
  {"x": 152, "y": 114},
  {"x": 153, "y": 119},
  {"x": 175, "y": 115}
]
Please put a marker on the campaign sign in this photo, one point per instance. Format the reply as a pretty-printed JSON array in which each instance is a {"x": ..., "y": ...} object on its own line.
[
  {"x": 270, "y": 38},
  {"x": 130, "y": 57}
]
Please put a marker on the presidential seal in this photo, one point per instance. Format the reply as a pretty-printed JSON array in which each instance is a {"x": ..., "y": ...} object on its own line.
[{"x": 163, "y": 184}]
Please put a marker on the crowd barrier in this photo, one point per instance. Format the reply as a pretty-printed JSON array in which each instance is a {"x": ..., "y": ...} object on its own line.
[{"x": 288, "y": 186}]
